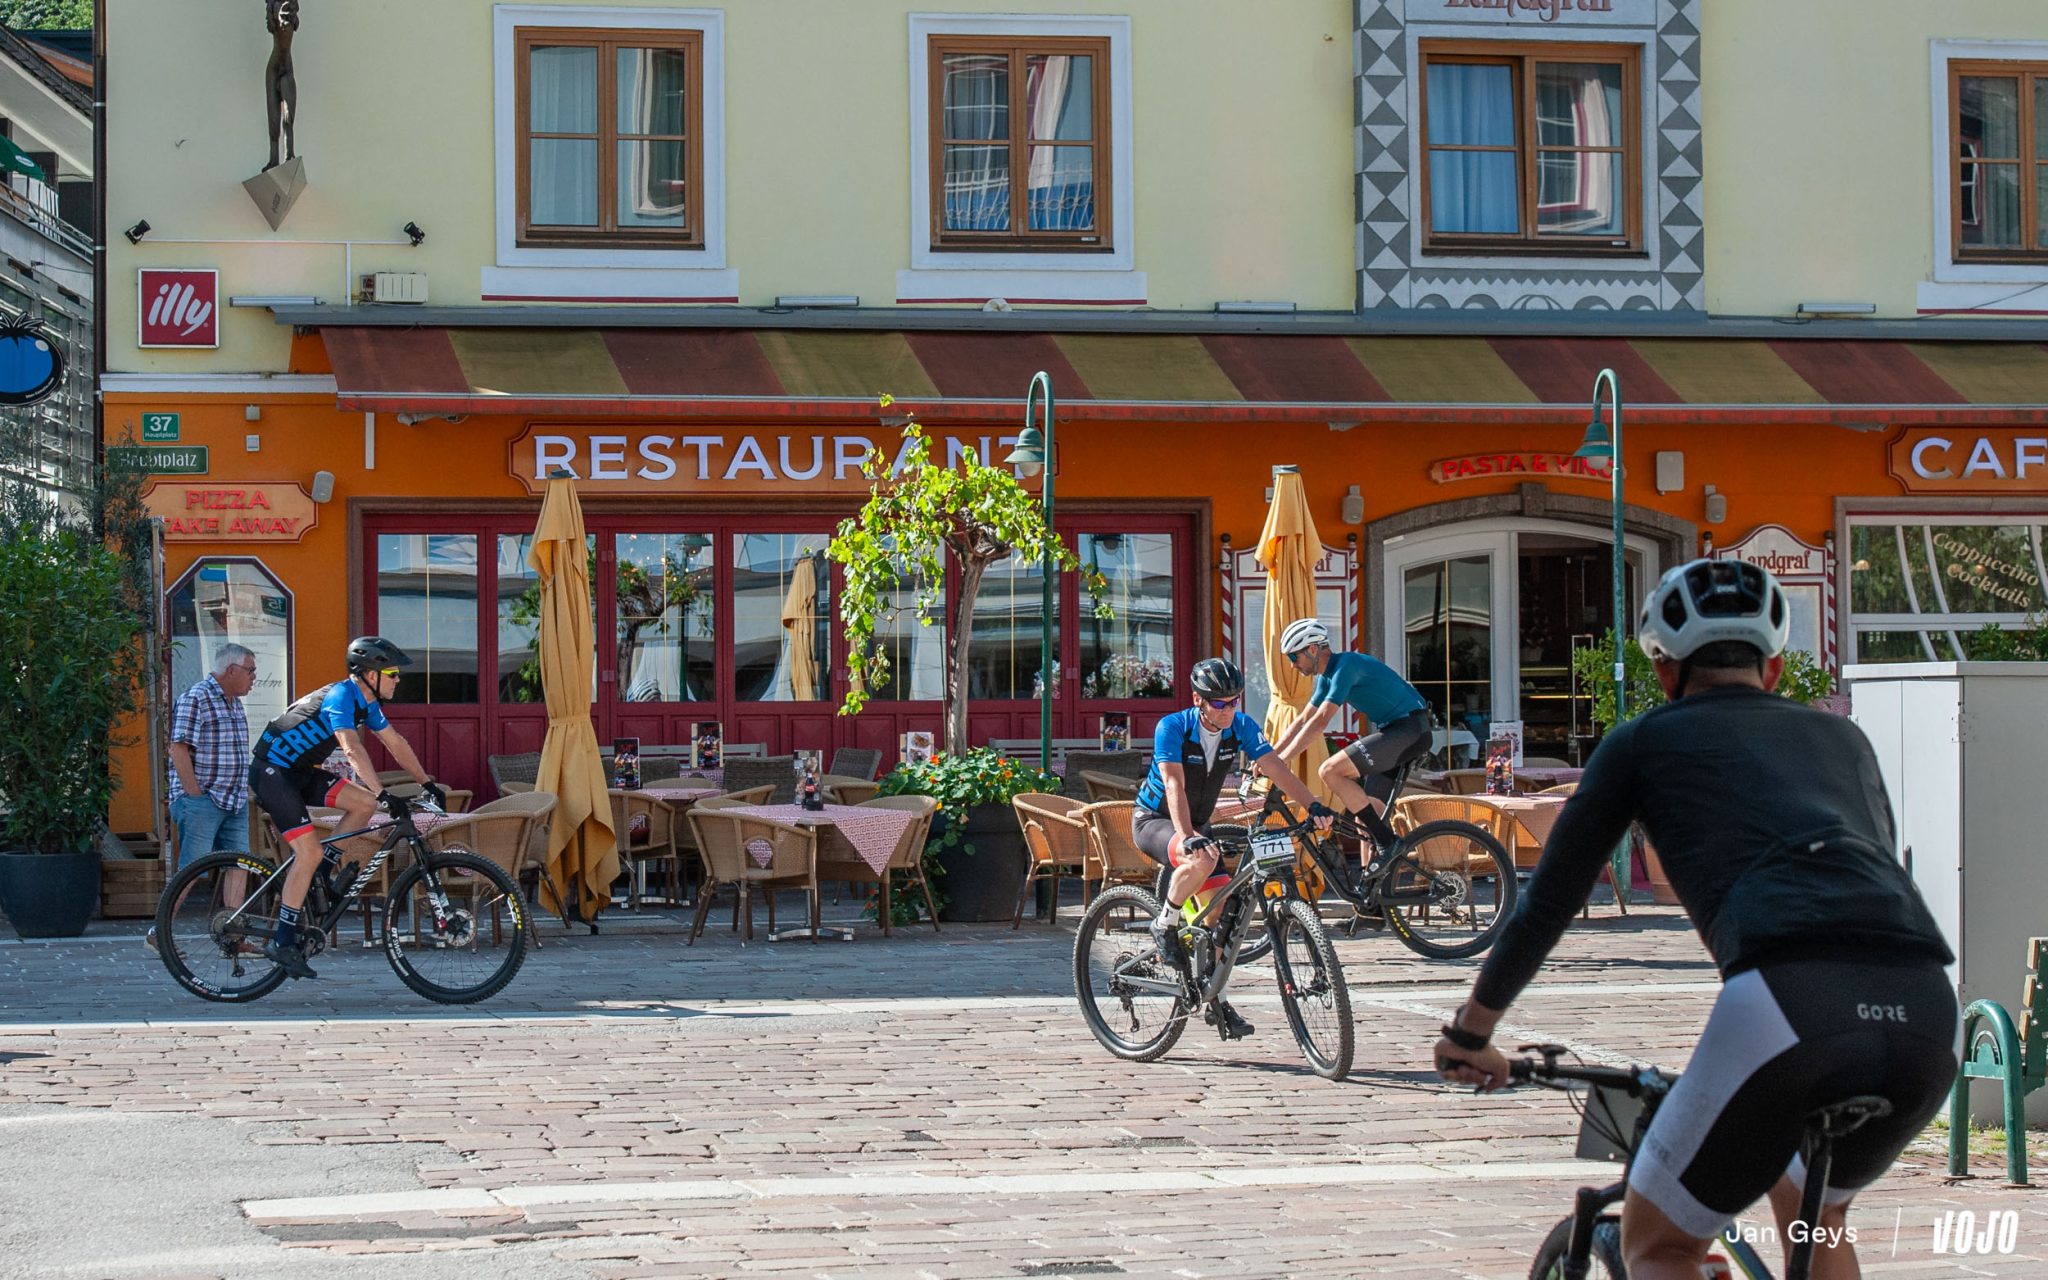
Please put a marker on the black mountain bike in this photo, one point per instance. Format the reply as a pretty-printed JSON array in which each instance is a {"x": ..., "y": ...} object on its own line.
[
  {"x": 1614, "y": 1113},
  {"x": 1445, "y": 888},
  {"x": 441, "y": 922},
  {"x": 1137, "y": 1002}
]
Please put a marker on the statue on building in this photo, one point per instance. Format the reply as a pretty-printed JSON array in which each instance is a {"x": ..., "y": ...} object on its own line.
[{"x": 280, "y": 85}]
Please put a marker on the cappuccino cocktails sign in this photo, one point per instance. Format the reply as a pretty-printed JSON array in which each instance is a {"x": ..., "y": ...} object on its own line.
[{"x": 623, "y": 460}]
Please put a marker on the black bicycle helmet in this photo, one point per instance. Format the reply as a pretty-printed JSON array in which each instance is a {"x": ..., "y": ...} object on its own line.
[
  {"x": 372, "y": 653},
  {"x": 1217, "y": 678}
]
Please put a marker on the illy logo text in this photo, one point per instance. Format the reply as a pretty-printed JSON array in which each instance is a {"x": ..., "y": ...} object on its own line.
[{"x": 178, "y": 306}]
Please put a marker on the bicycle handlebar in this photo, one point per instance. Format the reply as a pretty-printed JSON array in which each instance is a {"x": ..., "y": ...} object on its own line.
[{"x": 1546, "y": 1069}]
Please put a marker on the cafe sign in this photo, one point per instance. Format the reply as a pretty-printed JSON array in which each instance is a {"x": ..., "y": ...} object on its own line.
[
  {"x": 252, "y": 512},
  {"x": 618, "y": 460},
  {"x": 1489, "y": 466},
  {"x": 1640, "y": 13},
  {"x": 1951, "y": 460}
]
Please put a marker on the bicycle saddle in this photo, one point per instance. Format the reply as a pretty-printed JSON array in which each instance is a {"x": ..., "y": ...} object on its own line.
[{"x": 1847, "y": 1116}]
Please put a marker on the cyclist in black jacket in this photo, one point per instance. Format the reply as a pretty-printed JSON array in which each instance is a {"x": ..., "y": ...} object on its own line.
[{"x": 1773, "y": 824}]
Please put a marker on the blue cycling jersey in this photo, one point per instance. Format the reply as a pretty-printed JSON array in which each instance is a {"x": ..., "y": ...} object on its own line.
[
  {"x": 1368, "y": 686},
  {"x": 1178, "y": 740},
  {"x": 304, "y": 736}
]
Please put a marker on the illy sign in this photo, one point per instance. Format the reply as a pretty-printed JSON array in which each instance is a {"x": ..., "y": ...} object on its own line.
[{"x": 177, "y": 307}]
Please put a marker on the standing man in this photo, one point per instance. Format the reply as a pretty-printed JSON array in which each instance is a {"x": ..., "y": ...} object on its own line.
[
  {"x": 1396, "y": 714},
  {"x": 209, "y": 758}
]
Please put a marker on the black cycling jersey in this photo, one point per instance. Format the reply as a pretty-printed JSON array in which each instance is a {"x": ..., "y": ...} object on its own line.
[
  {"x": 1770, "y": 819},
  {"x": 304, "y": 736}
]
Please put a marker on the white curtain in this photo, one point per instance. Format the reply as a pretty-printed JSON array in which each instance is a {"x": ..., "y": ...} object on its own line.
[
  {"x": 1472, "y": 191},
  {"x": 1060, "y": 103},
  {"x": 562, "y": 172},
  {"x": 977, "y": 161}
]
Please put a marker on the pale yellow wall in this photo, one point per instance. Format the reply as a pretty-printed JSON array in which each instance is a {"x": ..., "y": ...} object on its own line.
[
  {"x": 1819, "y": 146},
  {"x": 1242, "y": 135}
]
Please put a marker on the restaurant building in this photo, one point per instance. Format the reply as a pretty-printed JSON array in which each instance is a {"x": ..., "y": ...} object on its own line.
[{"x": 360, "y": 403}]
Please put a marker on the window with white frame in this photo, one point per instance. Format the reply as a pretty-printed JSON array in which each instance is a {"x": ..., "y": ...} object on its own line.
[{"x": 1921, "y": 586}]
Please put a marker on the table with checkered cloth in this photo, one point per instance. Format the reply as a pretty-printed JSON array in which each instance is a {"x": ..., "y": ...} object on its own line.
[
  {"x": 872, "y": 834},
  {"x": 675, "y": 795}
]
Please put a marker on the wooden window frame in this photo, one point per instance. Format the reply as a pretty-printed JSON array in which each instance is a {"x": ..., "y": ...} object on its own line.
[
  {"x": 1020, "y": 238},
  {"x": 608, "y": 233},
  {"x": 1521, "y": 58},
  {"x": 2033, "y": 80}
]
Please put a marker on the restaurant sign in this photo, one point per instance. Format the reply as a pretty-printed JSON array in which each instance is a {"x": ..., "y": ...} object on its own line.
[
  {"x": 258, "y": 512},
  {"x": 1488, "y": 466},
  {"x": 618, "y": 460},
  {"x": 1945, "y": 460}
]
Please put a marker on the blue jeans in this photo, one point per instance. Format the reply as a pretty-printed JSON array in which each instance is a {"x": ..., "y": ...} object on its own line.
[{"x": 204, "y": 827}]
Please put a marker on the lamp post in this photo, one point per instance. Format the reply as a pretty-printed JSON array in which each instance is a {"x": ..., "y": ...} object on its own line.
[
  {"x": 1033, "y": 454},
  {"x": 1600, "y": 444}
]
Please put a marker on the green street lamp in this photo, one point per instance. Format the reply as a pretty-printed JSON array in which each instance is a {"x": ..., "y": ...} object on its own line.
[
  {"x": 1600, "y": 444},
  {"x": 1032, "y": 455}
]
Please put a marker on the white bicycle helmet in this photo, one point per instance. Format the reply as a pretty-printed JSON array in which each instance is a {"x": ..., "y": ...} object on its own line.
[
  {"x": 1300, "y": 634},
  {"x": 1707, "y": 601}
]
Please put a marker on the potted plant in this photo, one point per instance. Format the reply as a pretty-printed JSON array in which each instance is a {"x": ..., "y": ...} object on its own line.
[
  {"x": 1804, "y": 680},
  {"x": 68, "y": 645},
  {"x": 975, "y": 859}
]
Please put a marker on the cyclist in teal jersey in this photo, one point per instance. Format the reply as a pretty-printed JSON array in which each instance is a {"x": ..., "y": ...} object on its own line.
[{"x": 1397, "y": 719}]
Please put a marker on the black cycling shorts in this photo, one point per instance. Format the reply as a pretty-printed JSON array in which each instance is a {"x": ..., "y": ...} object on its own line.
[
  {"x": 1783, "y": 1040},
  {"x": 1153, "y": 834},
  {"x": 1378, "y": 754},
  {"x": 284, "y": 794}
]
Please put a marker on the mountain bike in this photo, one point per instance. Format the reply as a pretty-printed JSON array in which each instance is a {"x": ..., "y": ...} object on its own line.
[
  {"x": 1137, "y": 1002},
  {"x": 440, "y": 928},
  {"x": 1445, "y": 888},
  {"x": 1613, "y": 1116}
]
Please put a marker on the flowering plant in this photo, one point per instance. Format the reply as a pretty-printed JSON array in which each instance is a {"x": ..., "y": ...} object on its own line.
[
  {"x": 982, "y": 775},
  {"x": 1124, "y": 675}
]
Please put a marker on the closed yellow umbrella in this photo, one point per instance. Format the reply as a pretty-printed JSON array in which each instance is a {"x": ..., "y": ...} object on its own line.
[
  {"x": 583, "y": 855},
  {"x": 1289, "y": 547},
  {"x": 800, "y": 620}
]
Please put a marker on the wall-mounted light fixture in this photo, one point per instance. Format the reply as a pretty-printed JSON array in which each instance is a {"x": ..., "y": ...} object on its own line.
[
  {"x": 814, "y": 300},
  {"x": 273, "y": 300},
  {"x": 252, "y": 413},
  {"x": 1255, "y": 308},
  {"x": 1837, "y": 309},
  {"x": 414, "y": 234},
  {"x": 1354, "y": 506},
  {"x": 1717, "y": 505},
  {"x": 323, "y": 486},
  {"x": 136, "y": 232}
]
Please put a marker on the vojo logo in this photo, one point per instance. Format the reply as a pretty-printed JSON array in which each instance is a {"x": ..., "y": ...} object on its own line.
[{"x": 1959, "y": 1231}]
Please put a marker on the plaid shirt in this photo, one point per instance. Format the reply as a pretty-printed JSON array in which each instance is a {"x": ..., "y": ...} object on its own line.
[{"x": 217, "y": 730}]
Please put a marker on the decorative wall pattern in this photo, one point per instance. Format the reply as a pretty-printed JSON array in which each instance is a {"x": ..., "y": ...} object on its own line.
[{"x": 1391, "y": 271}]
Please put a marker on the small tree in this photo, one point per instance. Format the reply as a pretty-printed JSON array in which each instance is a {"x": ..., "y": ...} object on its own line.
[{"x": 917, "y": 512}]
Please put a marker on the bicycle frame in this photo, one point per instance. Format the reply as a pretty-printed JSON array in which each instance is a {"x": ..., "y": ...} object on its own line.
[
  {"x": 400, "y": 829},
  {"x": 1218, "y": 977}
]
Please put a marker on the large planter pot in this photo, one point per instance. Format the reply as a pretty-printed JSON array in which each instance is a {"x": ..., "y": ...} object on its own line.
[
  {"x": 983, "y": 886},
  {"x": 49, "y": 895},
  {"x": 1660, "y": 885}
]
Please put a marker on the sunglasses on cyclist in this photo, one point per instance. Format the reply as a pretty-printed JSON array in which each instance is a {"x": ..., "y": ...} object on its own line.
[
  {"x": 1224, "y": 704},
  {"x": 393, "y": 672}
]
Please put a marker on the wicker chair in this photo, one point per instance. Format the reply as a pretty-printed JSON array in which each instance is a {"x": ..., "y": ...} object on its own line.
[
  {"x": 1464, "y": 782},
  {"x": 734, "y": 799},
  {"x": 521, "y": 767},
  {"x": 1056, "y": 837},
  {"x": 1108, "y": 786},
  {"x": 503, "y": 836},
  {"x": 905, "y": 864},
  {"x": 1109, "y": 832},
  {"x": 855, "y": 762},
  {"x": 1116, "y": 764},
  {"x": 743, "y": 750},
  {"x": 539, "y": 807},
  {"x": 846, "y": 791},
  {"x": 724, "y": 842},
  {"x": 656, "y": 844},
  {"x": 778, "y": 772}
]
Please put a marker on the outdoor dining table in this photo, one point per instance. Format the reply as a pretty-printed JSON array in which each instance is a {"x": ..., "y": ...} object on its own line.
[
  {"x": 1530, "y": 819},
  {"x": 844, "y": 833}
]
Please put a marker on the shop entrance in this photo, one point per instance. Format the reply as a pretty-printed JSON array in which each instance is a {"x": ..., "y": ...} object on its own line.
[{"x": 1483, "y": 618}]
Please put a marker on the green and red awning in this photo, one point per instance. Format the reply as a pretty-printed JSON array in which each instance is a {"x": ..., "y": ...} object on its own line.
[{"x": 982, "y": 375}]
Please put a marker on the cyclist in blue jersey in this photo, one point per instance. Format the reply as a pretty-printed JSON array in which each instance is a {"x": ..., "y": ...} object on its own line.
[
  {"x": 1191, "y": 752},
  {"x": 285, "y": 774},
  {"x": 1397, "y": 719}
]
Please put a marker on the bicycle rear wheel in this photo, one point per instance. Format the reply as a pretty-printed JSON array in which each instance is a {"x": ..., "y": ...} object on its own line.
[
  {"x": 1603, "y": 1260},
  {"x": 1312, "y": 988},
  {"x": 1113, "y": 952},
  {"x": 455, "y": 927},
  {"x": 1450, "y": 890},
  {"x": 212, "y": 922}
]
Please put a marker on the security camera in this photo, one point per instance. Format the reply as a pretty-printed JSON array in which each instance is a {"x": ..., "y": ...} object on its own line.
[{"x": 136, "y": 232}]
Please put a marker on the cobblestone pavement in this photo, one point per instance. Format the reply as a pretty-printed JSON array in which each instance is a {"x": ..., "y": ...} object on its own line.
[{"x": 922, "y": 1106}]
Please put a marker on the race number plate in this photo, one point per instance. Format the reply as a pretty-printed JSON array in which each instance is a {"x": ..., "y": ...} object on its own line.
[{"x": 1271, "y": 849}]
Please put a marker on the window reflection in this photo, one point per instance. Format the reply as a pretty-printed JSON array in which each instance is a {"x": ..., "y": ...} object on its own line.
[
  {"x": 1003, "y": 656},
  {"x": 1448, "y": 639},
  {"x": 519, "y": 618},
  {"x": 426, "y": 605},
  {"x": 781, "y": 614},
  {"x": 1131, "y": 654},
  {"x": 666, "y": 612}
]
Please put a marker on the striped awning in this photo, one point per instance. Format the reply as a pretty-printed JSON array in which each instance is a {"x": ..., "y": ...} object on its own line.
[{"x": 777, "y": 373}]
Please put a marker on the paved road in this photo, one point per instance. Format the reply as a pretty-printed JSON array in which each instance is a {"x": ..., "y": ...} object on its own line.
[{"x": 924, "y": 1106}]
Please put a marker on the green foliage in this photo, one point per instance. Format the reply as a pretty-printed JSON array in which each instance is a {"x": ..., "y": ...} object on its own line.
[
  {"x": 1593, "y": 672},
  {"x": 958, "y": 782},
  {"x": 916, "y": 514},
  {"x": 47, "y": 15},
  {"x": 1993, "y": 643},
  {"x": 68, "y": 649},
  {"x": 1805, "y": 681}
]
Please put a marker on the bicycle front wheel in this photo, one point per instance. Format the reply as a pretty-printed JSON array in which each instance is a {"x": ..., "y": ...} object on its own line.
[
  {"x": 455, "y": 927},
  {"x": 211, "y": 924},
  {"x": 1312, "y": 988},
  {"x": 1130, "y": 996},
  {"x": 1450, "y": 890},
  {"x": 1603, "y": 1260}
]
